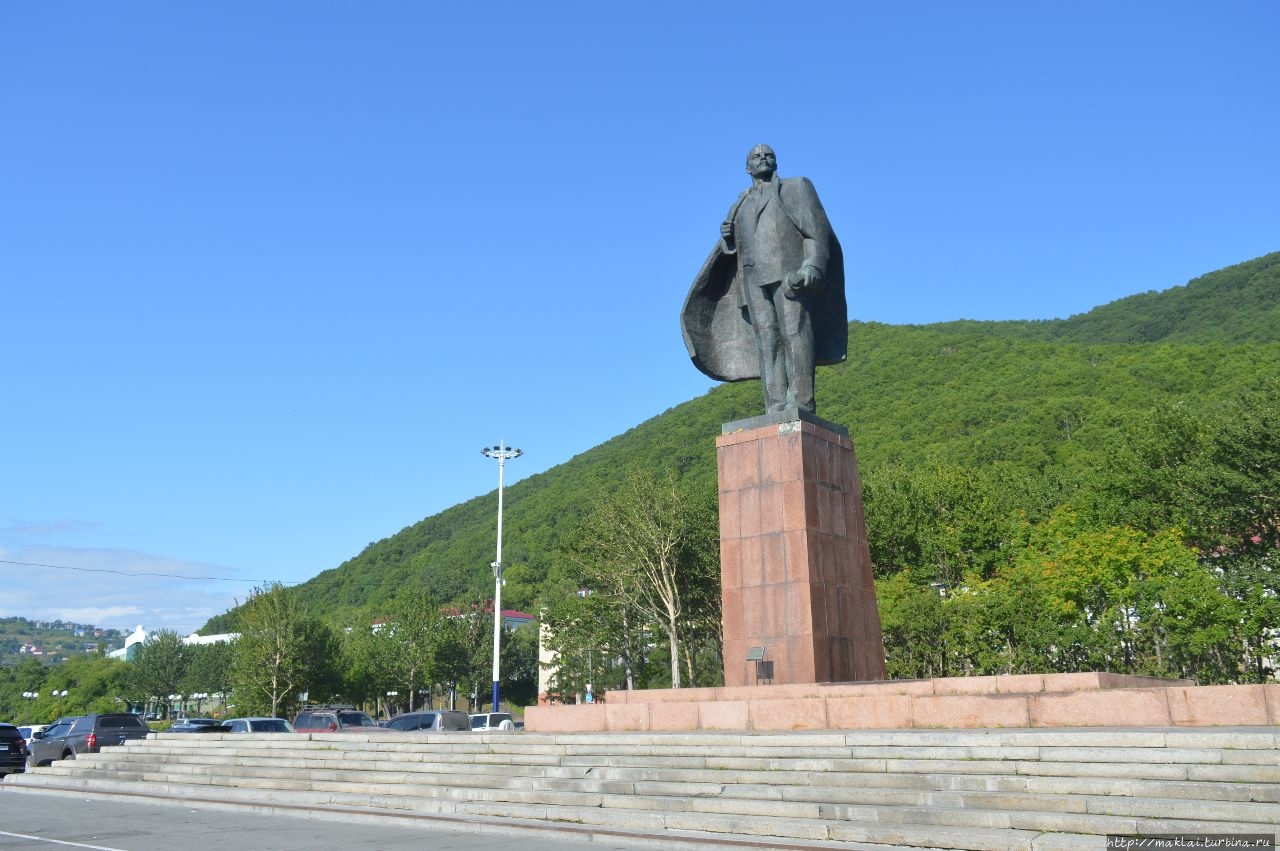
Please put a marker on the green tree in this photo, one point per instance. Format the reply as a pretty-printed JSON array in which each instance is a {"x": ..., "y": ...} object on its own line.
[
  {"x": 397, "y": 653},
  {"x": 464, "y": 652},
  {"x": 211, "y": 670},
  {"x": 28, "y": 676},
  {"x": 366, "y": 651},
  {"x": 520, "y": 665},
  {"x": 915, "y": 626},
  {"x": 586, "y": 633},
  {"x": 281, "y": 653},
  {"x": 1216, "y": 476},
  {"x": 652, "y": 546},
  {"x": 416, "y": 625},
  {"x": 945, "y": 522},
  {"x": 456, "y": 662},
  {"x": 92, "y": 683},
  {"x": 1124, "y": 600},
  {"x": 159, "y": 668}
]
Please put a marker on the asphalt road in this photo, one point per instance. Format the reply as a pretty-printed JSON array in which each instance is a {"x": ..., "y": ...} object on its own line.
[{"x": 46, "y": 822}]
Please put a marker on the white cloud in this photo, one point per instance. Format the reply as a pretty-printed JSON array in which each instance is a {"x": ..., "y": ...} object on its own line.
[{"x": 115, "y": 588}]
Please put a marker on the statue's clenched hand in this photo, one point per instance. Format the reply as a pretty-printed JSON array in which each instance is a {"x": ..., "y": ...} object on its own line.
[{"x": 808, "y": 279}]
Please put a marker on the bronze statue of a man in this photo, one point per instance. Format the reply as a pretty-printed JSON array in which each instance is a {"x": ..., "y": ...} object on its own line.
[{"x": 769, "y": 302}]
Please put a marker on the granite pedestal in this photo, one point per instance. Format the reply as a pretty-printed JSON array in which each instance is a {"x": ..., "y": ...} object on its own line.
[{"x": 799, "y": 600}]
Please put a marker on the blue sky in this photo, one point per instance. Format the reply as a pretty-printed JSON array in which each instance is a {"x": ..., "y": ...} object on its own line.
[{"x": 273, "y": 273}]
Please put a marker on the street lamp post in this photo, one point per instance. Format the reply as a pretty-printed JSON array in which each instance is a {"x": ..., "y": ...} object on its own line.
[
  {"x": 58, "y": 697},
  {"x": 502, "y": 453}
]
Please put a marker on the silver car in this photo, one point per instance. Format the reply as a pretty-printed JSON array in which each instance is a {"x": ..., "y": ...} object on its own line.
[
  {"x": 258, "y": 725},
  {"x": 440, "y": 720}
]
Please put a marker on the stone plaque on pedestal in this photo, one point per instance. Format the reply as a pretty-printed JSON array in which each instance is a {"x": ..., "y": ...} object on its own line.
[{"x": 795, "y": 568}]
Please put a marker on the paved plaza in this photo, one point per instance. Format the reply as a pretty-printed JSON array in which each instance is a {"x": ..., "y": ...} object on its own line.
[{"x": 47, "y": 822}]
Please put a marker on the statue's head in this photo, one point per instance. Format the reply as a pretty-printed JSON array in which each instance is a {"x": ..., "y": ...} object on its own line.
[{"x": 761, "y": 161}]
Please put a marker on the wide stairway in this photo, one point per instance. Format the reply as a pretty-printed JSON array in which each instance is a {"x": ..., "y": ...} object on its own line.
[{"x": 973, "y": 789}]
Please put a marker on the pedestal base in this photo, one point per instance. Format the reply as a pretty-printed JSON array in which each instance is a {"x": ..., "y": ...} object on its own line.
[
  {"x": 1019, "y": 701},
  {"x": 799, "y": 600}
]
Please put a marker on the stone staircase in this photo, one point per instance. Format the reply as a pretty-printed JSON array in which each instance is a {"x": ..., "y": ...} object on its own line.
[{"x": 971, "y": 789}]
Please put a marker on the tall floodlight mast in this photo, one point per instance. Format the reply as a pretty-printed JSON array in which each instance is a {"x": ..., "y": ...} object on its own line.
[{"x": 503, "y": 454}]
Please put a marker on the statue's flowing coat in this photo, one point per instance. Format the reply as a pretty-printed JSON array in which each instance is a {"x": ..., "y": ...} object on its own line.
[{"x": 717, "y": 331}]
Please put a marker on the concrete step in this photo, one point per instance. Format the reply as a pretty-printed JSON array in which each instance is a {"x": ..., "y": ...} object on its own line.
[
  {"x": 1253, "y": 770},
  {"x": 995, "y": 794},
  {"x": 1234, "y": 766},
  {"x": 1244, "y": 768},
  {"x": 937, "y": 774},
  {"x": 934, "y": 828},
  {"x": 978, "y": 810},
  {"x": 1228, "y": 765},
  {"x": 974, "y": 742},
  {"x": 1039, "y": 789},
  {"x": 1082, "y": 747},
  {"x": 112, "y": 760}
]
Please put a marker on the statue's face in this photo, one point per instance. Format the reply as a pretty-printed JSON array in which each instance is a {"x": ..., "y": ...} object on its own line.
[{"x": 761, "y": 162}]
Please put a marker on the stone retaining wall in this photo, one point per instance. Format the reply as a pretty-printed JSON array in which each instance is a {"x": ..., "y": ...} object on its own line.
[{"x": 1028, "y": 701}]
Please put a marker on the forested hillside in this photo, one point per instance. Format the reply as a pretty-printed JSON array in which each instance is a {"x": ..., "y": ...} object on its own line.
[
  {"x": 1238, "y": 304},
  {"x": 965, "y": 432}
]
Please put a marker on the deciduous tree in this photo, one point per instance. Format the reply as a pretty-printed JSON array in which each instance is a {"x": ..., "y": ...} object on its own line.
[
  {"x": 652, "y": 545},
  {"x": 160, "y": 666},
  {"x": 281, "y": 652}
]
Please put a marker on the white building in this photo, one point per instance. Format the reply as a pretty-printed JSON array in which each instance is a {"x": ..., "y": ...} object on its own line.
[{"x": 139, "y": 637}]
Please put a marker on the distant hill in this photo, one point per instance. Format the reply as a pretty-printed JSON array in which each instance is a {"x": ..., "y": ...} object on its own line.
[
  {"x": 1238, "y": 304},
  {"x": 1025, "y": 395},
  {"x": 52, "y": 641}
]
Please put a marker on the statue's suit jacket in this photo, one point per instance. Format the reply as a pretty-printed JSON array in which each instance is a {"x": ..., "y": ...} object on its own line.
[{"x": 717, "y": 331}]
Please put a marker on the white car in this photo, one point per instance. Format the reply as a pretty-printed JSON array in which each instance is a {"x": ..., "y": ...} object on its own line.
[
  {"x": 26, "y": 731},
  {"x": 482, "y": 722}
]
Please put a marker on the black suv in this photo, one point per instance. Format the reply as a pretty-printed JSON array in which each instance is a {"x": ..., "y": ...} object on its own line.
[
  {"x": 13, "y": 750},
  {"x": 87, "y": 734},
  {"x": 50, "y": 743}
]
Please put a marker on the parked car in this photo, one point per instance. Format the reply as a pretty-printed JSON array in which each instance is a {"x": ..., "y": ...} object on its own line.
[
  {"x": 439, "y": 720},
  {"x": 333, "y": 720},
  {"x": 91, "y": 733},
  {"x": 198, "y": 725},
  {"x": 29, "y": 730},
  {"x": 258, "y": 725},
  {"x": 13, "y": 750},
  {"x": 49, "y": 744},
  {"x": 492, "y": 721}
]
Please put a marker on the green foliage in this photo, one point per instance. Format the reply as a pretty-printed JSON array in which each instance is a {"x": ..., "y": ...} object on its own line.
[
  {"x": 915, "y": 622},
  {"x": 647, "y": 550},
  {"x": 1238, "y": 304},
  {"x": 593, "y": 642},
  {"x": 1073, "y": 598},
  {"x": 92, "y": 683},
  {"x": 1129, "y": 601},
  {"x": 210, "y": 670},
  {"x": 410, "y": 635},
  {"x": 943, "y": 523},
  {"x": 282, "y": 653},
  {"x": 417, "y": 650},
  {"x": 159, "y": 668}
]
